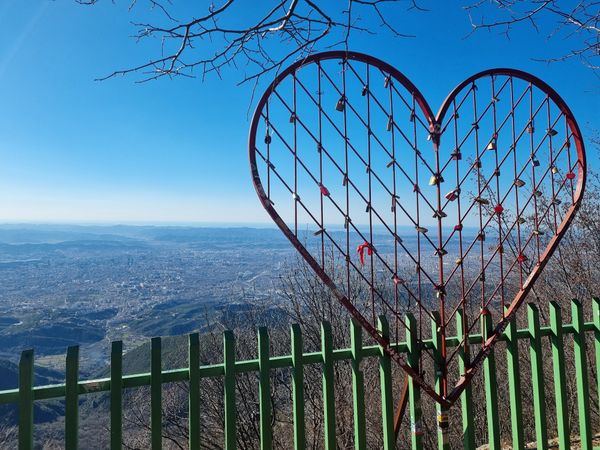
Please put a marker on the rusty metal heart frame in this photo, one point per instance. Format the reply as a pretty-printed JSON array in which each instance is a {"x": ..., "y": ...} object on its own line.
[{"x": 339, "y": 157}]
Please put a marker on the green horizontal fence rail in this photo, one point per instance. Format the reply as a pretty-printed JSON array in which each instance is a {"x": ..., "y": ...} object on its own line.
[{"x": 26, "y": 394}]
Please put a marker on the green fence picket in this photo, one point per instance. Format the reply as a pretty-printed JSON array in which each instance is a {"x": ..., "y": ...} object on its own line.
[
  {"x": 116, "y": 395},
  {"x": 72, "y": 398},
  {"x": 560, "y": 384},
  {"x": 537, "y": 377},
  {"x": 596, "y": 322},
  {"x": 491, "y": 386},
  {"x": 298, "y": 388},
  {"x": 26, "y": 400},
  {"x": 358, "y": 387},
  {"x": 194, "y": 391},
  {"x": 581, "y": 377},
  {"x": 466, "y": 401},
  {"x": 385, "y": 380},
  {"x": 155, "y": 394},
  {"x": 514, "y": 384},
  {"x": 264, "y": 386},
  {"x": 442, "y": 412},
  {"x": 328, "y": 386},
  {"x": 229, "y": 389},
  {"x": 414, "y": 391}
]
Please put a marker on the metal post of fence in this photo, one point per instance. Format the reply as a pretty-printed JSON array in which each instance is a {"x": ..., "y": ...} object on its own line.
[
  {"x": 26, "y": 400},
  {"x": 264, "y": 386},
  {"x": 596, "y": 322},
  {"x": 560, "y": 384},
  {"x": 194, "y": 391},
  {"x": 72, "y": 398},
  {"x": 229, "y": 390},
  {"x": 537, "y": 377},
  {"x": 385, "y": 379},
  {"x": 466, "y": 403},
  {"x": 298, "y": 388},
  {"x": 358, "y": 388},
  {"x": 116, "y": 395},
  {"x": 442, "y": 412},
  {"x": 414, "y": 392},
  {"x": 514, "y": 384},
  {"x": 491, "y": 387},
  {"x": 328, "y": 386},
  {"x": 155, "y": 393},
  {"x": 581, "y": 376}
]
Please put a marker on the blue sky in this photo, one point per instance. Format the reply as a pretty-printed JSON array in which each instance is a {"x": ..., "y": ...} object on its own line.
[{"x": 78, "y": 150}]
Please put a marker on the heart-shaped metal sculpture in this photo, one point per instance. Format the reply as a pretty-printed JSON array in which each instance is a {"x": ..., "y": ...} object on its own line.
[{"x": 399, "y": 210}]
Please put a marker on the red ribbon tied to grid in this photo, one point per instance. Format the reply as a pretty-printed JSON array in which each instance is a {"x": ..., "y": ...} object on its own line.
[{"x": 419, "y": 217}]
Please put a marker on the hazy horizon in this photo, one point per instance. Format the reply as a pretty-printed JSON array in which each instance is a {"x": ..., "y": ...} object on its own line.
[{"x": 253, "y": 225}]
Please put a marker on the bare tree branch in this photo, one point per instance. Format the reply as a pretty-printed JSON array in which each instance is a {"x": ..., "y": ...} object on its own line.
[
  {"x": 277, "y": 32},
  {"x": 579, "y": 21}
]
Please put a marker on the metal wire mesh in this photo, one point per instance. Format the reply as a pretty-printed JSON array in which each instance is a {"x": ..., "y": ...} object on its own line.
[{"x": 398, "y": 210}]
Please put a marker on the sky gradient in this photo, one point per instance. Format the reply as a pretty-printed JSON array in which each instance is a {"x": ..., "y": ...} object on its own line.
[{"x": 175, "y": 151}]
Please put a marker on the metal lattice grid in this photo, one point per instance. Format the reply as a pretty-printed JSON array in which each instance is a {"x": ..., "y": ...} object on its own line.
[{"x": 399, "y": 210}]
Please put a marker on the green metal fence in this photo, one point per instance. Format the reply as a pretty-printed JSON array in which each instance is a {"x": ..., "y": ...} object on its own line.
[{"x": 73, "y": 388}]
